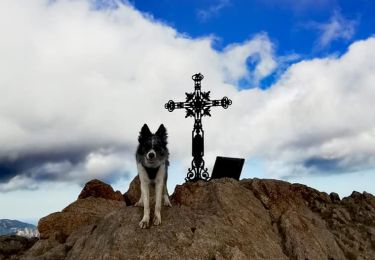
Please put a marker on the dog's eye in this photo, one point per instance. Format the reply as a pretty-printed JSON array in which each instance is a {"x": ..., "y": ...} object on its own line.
[
  {"x": 145, "y": 149},
  {"x": 160, "y": 151}
]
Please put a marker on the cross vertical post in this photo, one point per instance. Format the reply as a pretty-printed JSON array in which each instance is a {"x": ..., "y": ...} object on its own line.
[{"x": 198, "y": 104}]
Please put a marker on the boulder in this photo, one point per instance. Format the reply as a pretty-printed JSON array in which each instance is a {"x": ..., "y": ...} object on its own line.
[
  {"x": 82, "y": 212},
  {"x": 98, "y": 189},
  {"x": 134, "y": 192},
  {"x": 334, "y": 197}
]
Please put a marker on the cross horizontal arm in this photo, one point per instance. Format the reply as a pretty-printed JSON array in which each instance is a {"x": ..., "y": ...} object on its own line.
[
  {"x": 224, "y": 102},
  {"x": 171, "y": 105}
]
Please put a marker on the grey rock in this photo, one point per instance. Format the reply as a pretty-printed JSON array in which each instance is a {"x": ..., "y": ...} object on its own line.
[
  {"x": 12, "y": 246},
  {"x": 220, "y": 219},
  {"x": 334, "y": 197}
]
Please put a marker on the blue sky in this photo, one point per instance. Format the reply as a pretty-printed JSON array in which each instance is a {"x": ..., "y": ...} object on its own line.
[
  {"x": 296, "y": 28},
  {"x": 292, "y": 25},
  {"x": 79, "y": 79}
]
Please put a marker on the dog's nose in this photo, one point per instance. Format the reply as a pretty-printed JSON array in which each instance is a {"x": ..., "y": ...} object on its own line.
[{"x": 151, "y": 155}]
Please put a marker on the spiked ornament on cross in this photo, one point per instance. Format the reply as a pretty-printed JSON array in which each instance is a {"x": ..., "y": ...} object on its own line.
[{"x": 198, "y": 104}]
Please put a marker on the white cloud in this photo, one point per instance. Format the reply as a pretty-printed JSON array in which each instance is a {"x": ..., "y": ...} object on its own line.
[
  {"x": 77, "y": 85},
  {"x": 259, "y": 50},
  {"x": 206, "y": 14},
  {"x": 319, "y": 116},
  {"x": 76, "y": 82},
  {"x": 19, "y": 182},
  {"x": 337, "y": 28}
]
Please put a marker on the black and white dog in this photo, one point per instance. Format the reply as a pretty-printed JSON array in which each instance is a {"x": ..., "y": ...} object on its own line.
[{"x": 152, "y": 164}]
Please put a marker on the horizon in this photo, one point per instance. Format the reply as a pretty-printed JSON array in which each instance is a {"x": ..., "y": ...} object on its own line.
[{"x": 80, "y": 78}]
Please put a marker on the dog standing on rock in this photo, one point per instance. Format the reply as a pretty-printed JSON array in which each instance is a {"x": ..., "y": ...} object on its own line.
[{"x": 152, "y": 164}]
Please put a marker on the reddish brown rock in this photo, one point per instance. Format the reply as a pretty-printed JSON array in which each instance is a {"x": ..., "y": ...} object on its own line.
[
  {"x": 60, "y": 225},
  {"x": 98, "y": 189},
  {"x": 314, "y": 225},
  {"x": 220, "y": 219},
  {"x": 134, "y": 192}
]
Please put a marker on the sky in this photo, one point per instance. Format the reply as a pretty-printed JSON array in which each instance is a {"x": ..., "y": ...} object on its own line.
[{"x": 79, "y": 78}]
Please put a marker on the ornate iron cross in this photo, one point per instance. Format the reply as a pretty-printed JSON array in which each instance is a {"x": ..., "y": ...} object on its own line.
[{"x": 198, "y": 104}]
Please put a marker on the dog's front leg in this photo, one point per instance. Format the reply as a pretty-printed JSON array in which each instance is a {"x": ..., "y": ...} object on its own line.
[
  {"x": 159, "y": 187},
  {"x": 167, "y": 202},
  {"x": 158, "y": 199},
  {"x": 145, "y": 196},
  {"x": 145, "y": 189}
]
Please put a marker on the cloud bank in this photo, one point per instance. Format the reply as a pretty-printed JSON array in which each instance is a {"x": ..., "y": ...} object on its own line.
[{"x": 77, "y": 84}]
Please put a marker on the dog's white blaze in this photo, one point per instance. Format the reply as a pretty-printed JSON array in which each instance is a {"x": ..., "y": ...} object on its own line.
[{"x": 153, "y": 141}]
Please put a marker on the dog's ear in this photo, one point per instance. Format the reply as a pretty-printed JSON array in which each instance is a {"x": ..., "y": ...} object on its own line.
[
  {"x": 145, "y": 133},
  {"x": 162, "y": 133}
]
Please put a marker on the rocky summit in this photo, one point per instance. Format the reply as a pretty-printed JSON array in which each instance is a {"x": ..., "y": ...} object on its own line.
[{"x": 220, "y": 219}]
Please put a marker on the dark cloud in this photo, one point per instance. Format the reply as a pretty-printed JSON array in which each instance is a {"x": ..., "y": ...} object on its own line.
[
  {"x": 76, "y": 166},
  {"x": 341, "y": 165},
  {"x": 28, "y": 163},
  {"x": 7, "y": 171},
  {"x": 323, "y": 164}
]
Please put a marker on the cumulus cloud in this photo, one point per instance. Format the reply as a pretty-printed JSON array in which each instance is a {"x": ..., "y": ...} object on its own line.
[
  {"x": 77, "y": 85},
  {"x": 317, "y": 118},
  {"x": 259, "y": 50},
  {"x": 337, "y": 28},
  {"x": 19, "y": 182}
]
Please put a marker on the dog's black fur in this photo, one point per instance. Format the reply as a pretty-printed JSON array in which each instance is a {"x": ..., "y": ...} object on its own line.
[
  {"x": 152, "y": 162},
  {"x": 148, "y": 142}
]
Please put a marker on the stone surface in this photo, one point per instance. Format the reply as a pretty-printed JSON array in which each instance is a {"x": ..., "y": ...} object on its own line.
[
  {"x": 98, "y": 189},
  {"x": 334, "y": 197},
  {"x": 60, "y": 225},
  {"x": 11, "y": 246},
  {"x": 134, "y": 192},
  {"x": 220, "y": 219}
]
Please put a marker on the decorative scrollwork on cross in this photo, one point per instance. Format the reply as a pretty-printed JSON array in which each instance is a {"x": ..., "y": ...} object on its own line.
[{"x": 198, "y": 104}]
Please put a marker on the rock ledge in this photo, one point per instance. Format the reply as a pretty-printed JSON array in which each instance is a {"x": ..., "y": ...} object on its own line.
[{"x": 220, "y": 219}]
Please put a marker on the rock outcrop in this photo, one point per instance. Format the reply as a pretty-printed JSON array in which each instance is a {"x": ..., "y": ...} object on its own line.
[
  {"x": 83, "y": 212},
  {"x": 220, "y": 219},
  {"x": 98, "y": 189},
  {"x": 134, "y": 192},
  {"x": 13, "y": 246}
]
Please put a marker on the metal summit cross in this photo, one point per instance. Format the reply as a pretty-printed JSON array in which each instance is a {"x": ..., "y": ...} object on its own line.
[{"x": 198, "y": 104}]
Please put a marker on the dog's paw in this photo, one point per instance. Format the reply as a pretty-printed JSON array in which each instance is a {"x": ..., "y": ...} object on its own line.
[
  {"x": 157, "y": 220},
  {"x": 167, "y": 203},
  {"x": 144, "y": 223}
]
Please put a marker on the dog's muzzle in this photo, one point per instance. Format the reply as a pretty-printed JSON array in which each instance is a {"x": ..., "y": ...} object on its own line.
[{"x": 151, "y": 155}]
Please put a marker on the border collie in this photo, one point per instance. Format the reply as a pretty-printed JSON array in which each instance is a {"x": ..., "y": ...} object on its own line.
[{"x": 152, "y": 164}]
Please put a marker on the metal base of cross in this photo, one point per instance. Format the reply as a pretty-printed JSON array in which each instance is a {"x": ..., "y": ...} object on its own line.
[{"x": 197, "y": 172}]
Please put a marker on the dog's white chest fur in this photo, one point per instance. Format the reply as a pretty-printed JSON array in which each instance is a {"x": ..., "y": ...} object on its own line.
[{"x": 160, "y": 194}]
